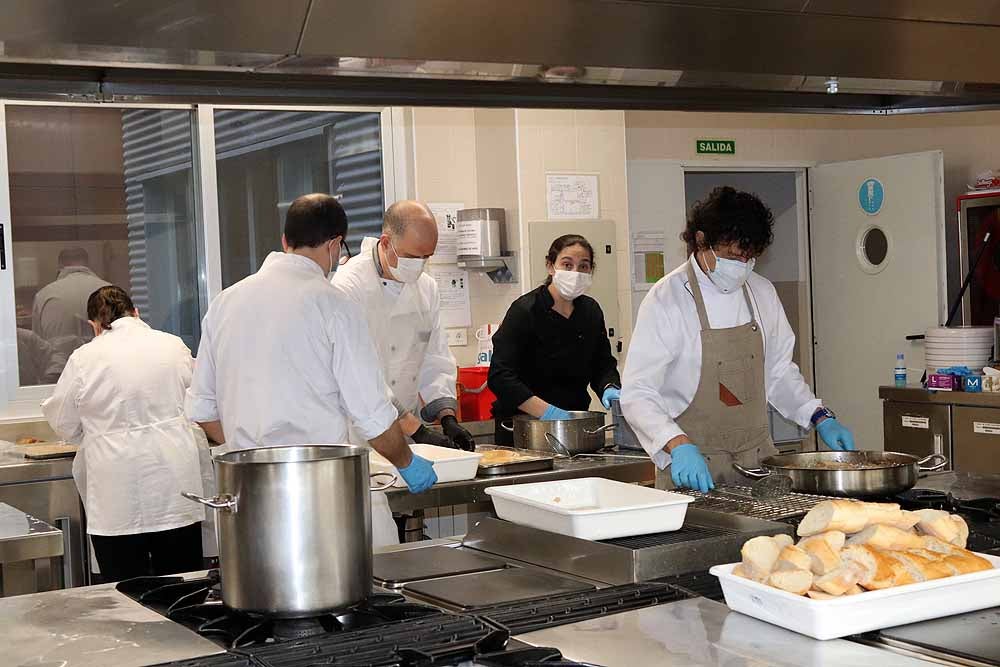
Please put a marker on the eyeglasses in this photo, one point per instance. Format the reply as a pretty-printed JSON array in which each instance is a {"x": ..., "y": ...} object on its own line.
[{"x": 347, "y": 249}]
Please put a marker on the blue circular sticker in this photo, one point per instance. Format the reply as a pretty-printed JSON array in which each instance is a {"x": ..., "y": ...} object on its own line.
[{"x": 871, "y": 195}]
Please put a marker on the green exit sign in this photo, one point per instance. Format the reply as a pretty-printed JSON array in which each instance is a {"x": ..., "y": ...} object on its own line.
[{"x": 716, "y": 146}]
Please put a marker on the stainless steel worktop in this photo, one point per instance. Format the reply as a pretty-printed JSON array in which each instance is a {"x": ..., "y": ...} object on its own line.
[
  {"x": 15, "y": 468},
  {"x": 964, "y": 485},
  {"x": 702, "y": 633},
  {"x": 23, "y": 537},
  {"x": 632, "y": 467},
  {"x": 95, "y": 626}
]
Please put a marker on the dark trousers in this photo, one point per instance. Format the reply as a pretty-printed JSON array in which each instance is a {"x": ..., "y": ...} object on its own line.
[{"x": 123, "y": 557}]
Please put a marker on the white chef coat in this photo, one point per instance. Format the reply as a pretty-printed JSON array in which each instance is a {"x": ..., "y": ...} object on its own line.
[
  {"x": 59, "y": 312},
  {"x": 405, "y": 324},
  {"x": 284, "y": 359},
  {"x": 664, "y": 358},
  {"x": 121, "y": 398}
]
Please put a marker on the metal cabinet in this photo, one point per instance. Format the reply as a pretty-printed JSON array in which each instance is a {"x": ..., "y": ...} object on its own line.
[
  {"x": 920, "y": 429},
  {"x": 977, "y": 439}
]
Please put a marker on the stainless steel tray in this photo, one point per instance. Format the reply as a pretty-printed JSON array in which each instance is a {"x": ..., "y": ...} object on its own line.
[{"x": 536, "y": 462}]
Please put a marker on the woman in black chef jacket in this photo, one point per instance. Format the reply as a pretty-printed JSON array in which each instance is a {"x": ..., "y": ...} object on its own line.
[{"x": 552, "y": 343}]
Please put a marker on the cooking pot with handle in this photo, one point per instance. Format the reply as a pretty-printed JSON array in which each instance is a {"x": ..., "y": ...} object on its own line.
[
  {"x": 294, "y": 528},
  {"x": 582, "y": 433}
]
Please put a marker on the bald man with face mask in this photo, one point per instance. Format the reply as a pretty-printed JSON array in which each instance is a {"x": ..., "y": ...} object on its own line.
[{"x": 402, "y": 307}]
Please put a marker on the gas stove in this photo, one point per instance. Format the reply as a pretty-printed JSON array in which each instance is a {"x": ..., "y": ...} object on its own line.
[{"x": 383, "y": 631}]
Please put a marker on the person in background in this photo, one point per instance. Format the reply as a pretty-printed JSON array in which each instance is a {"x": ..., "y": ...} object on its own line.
[
  {"x": 286, "y": 359},
  {"x": 401, "y": 305},
  {"x": 552, "y": 344},
  {"x": 121, "y": 399},
  {"x": 711, "y": 348},
  {"x": 59, "y": 313},
  {"x": 38, "y": 361}
]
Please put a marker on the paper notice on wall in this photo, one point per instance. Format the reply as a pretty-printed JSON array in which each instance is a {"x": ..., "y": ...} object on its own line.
[
  {"x": 453, "y": 290},
  {"x": 572, "y": 196},
  {"x": 647, "y": 258},
  {"x": 446, "y": 215},
  {"x": 470, "y": 238}
]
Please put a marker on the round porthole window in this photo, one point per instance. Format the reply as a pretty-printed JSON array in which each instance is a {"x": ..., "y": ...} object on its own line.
[{"x": 874, "y": 247}]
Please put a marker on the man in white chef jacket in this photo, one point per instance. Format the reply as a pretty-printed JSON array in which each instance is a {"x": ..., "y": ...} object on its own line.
[
  {"x": 711, "y": 348},
  {"x": 286, "y": 359},
  {"x": 402, "y": 308}
]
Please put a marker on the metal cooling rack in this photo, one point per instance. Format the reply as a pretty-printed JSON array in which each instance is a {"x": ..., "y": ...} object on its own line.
[{"x": 737, "y": 500}]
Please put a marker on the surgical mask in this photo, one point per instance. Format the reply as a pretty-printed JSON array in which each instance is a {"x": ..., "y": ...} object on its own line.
[
  {"x": 572, "y": 284},
  {"x": 333, "y": 263},
  {"x": 407, "y": 269},
  {"x": 730, "y": 274}
]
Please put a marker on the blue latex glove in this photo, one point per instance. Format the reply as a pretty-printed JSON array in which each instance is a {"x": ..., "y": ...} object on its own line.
[
  {"x": 689, "y": 470},
  {"x": 610, "y": 394},
  {"x": 419, "y": 475},
  {"x": 835, "y": 435},
  {"x": 552, "y": 412}
]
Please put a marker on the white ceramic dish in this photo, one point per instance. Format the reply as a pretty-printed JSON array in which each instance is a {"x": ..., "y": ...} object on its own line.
[
  {"x": 591, "y": 508},
  {"x": 451, "y": 465},
  {"x": 872, "y": 610}
]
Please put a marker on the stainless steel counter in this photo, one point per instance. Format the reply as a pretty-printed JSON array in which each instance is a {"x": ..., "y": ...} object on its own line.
[
  {"x": 702, "y": 633},
  {"x": 94, "y": 626},
  {"x": 964, "y": 485},
  {"x": 624, "y": 468},
  {"x": 917, "y": 394}
]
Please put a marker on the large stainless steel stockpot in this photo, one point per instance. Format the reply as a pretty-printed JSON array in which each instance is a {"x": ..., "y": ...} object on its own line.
[
  {"x": 294, "y": 528},
  {"x": 859, "y": 474},
  {"x": 582, "y": 433}
]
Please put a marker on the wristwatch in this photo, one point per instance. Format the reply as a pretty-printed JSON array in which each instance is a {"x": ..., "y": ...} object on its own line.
[{"x": 820, "y": 414}]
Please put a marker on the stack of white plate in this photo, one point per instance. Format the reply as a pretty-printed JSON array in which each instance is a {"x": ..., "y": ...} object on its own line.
[{"x": 958, "y": 346}]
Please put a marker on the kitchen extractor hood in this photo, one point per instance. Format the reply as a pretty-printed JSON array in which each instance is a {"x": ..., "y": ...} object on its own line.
[{"x": 883, "y": 56}]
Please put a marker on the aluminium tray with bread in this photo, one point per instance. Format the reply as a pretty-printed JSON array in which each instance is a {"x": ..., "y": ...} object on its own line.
[
  {"x": 871, "y": 610},
  {"x": 511, "y": 461}
]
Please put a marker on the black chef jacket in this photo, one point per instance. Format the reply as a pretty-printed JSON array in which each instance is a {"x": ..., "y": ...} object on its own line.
[{"x": 538, "y": 352}]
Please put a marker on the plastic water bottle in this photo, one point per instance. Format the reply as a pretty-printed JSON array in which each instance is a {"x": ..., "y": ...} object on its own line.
[{"x": 900, "y": 370}]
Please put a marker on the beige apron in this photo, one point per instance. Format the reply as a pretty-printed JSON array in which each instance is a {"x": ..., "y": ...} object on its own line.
[{"x": 727, "y": 418}]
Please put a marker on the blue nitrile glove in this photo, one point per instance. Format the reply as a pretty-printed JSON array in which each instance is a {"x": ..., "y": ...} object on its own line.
[
  {"x": 552, "y": 412},
  {"x": 689, "y": 470},
  {"x": 960, "y": 371},
  {"x": 610, "y": 394},
  {"x": 835, "y": 435},
  {"x": 419, "y": 475}
]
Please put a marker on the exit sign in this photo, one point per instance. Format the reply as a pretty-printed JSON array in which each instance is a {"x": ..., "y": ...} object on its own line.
[{"x": 716, "y": 146}]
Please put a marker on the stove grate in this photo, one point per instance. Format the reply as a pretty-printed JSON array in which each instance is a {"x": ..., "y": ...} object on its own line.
[
  {"x": 409, "y": 642},
  {"x": 689, "y": 533},
  {"x": 224, "y": 660},
  {"x": 737, "y": 500},
  {"x": 523, "y": 617},
  {"x": 696, "y": 584}
]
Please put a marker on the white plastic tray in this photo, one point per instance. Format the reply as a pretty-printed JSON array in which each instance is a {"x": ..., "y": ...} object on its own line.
[
  {"x": 591, "y": 508},
  {"x": 872, "y": 610},
  {"x": 451, "y": 465}
]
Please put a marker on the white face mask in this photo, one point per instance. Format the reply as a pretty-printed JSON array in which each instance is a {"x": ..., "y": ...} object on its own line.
[
  {"x": 334, "y": 261},
  {"x": 407, "y": 269},
  {"x": 730, "y": 274},
  {"x": 572, "y": 284}
]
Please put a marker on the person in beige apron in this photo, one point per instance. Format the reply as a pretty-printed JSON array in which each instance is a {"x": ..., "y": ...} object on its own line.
[
  {"x": 711, "y": 349},
  {"x": 728, "y": 416}
]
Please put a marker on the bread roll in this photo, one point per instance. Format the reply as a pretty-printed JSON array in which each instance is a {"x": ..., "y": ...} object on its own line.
[
  {"x": 938, "y": 523},
  {"x": 876, "y": 568},
  {"x": 882, "y": 536},
  {"x": 793, "y": 581},
  {"x": 839, "y": 581},
  {"x": 854, "y": 590},
  {"x": 823, "y": 558},
  {"x": 908, "y": 521},
  {"x": 759, "y": 557},
  {"x": 931, "y": 543},
  {"x": 820, "y": 595},
  {"x": 783, "y": 540},
  {"x": 926, "y": 569},
  {"x": 847, "y": 516},
  {"x": 966, "y": 562},
  {"x": 793, "y": 558},
  {"x": 741, "y": 571},
  {"x": 963, "y": 531}
]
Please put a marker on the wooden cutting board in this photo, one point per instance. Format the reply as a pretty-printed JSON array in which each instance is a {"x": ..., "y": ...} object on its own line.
[{"x": 49, "y": 451}]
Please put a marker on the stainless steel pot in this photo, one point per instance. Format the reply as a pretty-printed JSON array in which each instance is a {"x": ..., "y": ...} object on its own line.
[
  {"x": 625, "y": 437},
  {"x": 583, "y": 433},
  {"x": 848, "y": 474},
  {"x": 294, "y": 528}
]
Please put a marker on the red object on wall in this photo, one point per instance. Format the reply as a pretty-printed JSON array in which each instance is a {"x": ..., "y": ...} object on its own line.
[{"x": 475, "y": 400}]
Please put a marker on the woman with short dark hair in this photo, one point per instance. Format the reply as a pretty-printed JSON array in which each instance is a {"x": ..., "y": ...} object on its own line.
[
  {"x": 711, "y": 348},
  {"x": 552, "y": 344},
  {"x": 121, "y": 398}
]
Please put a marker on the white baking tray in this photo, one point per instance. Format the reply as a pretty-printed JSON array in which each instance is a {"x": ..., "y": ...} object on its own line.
[
  {"x": 591, "y": 508},
  {"x": 871, "y": 610},
  {"x": 451, "y": 465}
]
